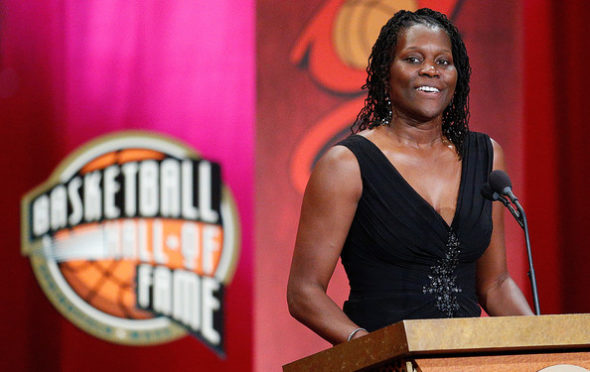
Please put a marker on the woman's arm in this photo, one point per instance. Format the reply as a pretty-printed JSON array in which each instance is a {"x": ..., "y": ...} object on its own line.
[
  {"x": 328, "y": 208},
  {"x": 498, "y": 293}
]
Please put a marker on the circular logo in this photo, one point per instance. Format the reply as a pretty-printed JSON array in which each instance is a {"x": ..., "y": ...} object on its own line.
[{"x": 133, "y": 239}]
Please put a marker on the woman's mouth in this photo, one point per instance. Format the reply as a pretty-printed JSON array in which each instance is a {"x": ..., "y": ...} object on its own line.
[{"x": 429, "y": 89}]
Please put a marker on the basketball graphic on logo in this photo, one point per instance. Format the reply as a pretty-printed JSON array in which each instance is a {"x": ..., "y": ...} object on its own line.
[
  {"x": 108, "y": 285},
  {"x": 133, "y": 238}
]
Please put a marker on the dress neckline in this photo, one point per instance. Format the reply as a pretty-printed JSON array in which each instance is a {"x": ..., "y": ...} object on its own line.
[{"x": 417, "y": 194}]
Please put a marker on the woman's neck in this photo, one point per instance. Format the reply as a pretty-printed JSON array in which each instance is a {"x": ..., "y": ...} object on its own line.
[{"x": 416, "y": 135}]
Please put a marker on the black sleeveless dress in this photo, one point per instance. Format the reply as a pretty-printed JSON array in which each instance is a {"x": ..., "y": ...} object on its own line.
[{"x": 402, "y": 259}]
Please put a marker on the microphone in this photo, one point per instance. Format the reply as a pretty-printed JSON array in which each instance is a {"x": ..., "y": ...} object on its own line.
[
  {"x": 500, "y": 183},
  {"x": 490, "y": 194},
  {"x": 498, "y": 186}
]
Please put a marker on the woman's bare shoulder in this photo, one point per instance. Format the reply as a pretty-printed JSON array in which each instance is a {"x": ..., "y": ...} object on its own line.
[
  {"x": 337, "y": 161},
  {"x": 498, "y": 155},
  {"x": 336, "y": 171}
]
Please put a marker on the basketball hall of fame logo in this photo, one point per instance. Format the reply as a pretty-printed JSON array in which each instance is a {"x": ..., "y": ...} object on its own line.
[{"x": 133, "y": 239}]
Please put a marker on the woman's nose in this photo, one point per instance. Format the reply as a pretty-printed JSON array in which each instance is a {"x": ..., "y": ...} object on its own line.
[{"x": 429, "y": 69}]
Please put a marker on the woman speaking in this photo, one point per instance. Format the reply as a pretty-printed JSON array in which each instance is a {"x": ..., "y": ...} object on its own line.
[{"x": 399, "y": 200}]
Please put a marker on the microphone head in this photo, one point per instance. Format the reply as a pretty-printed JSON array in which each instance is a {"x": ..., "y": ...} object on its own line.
[
  {"x": 499, "y": 181},
  {"x": 488, "y": 193}
]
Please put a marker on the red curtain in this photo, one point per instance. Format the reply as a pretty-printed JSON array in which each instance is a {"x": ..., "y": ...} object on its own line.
[{"x": 556, "y": 50}]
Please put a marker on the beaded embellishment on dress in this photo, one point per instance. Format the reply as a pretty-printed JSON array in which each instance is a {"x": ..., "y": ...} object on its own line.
[{"x": 443, "y": 281}]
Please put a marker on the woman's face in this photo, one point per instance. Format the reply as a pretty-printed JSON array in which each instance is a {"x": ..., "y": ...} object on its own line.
[{"x": 423, "y": 76}]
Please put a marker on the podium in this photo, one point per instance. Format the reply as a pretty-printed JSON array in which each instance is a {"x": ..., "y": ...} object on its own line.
[{"x": 512, "y": 343}]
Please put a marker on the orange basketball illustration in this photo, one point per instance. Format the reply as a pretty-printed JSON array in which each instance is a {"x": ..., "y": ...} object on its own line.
[{"x": 107, "y": 285}]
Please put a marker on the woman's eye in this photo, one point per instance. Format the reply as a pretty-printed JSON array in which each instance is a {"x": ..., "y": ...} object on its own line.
[
  {"x": 444, "y": 62},
  {"x": 413, "y": 59}
]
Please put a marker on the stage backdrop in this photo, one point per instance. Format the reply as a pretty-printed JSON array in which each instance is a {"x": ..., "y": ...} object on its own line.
[
  {"x": 311, "y": 64},
  {"x": 73, "y": 71}
]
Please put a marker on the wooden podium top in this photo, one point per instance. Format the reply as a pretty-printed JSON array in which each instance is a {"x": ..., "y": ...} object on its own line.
[{"x": 458, "y": 335}]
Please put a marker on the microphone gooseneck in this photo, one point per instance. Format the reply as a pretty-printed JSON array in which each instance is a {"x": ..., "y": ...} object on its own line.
[{"x": 498, "y": 186}]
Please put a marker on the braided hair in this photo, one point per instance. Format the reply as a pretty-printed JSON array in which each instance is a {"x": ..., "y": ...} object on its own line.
[{"x": 377, "y": 109}]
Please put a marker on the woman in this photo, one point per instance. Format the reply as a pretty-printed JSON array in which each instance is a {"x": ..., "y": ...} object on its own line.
[{"x": 400, "y": 200}]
